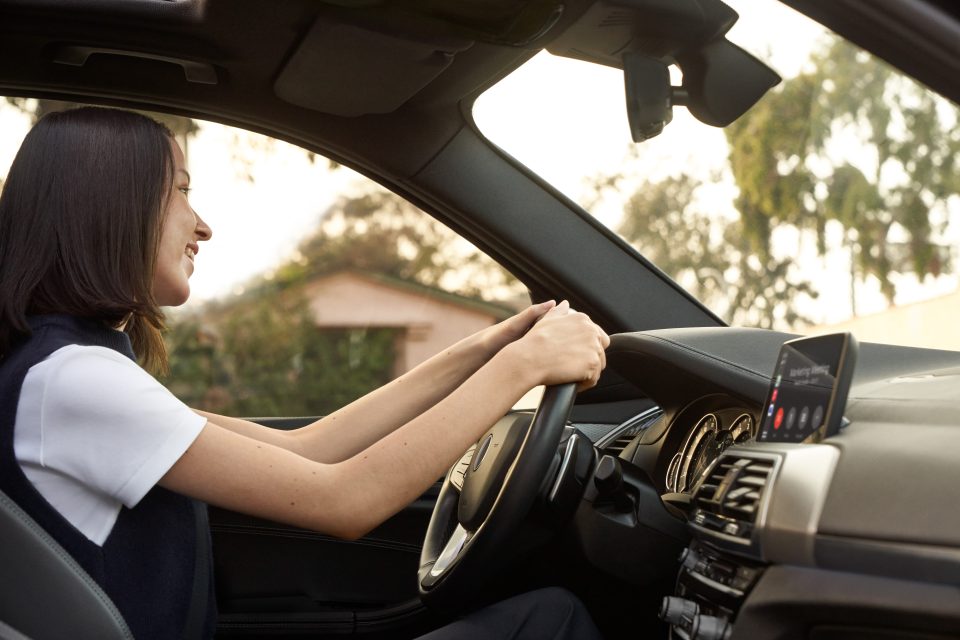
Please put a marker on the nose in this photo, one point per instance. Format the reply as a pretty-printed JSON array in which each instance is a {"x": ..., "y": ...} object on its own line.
[{"x": 203, "y": 230}]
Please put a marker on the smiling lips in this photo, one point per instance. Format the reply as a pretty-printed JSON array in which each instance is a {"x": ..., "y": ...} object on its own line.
[{"x": 192, "y": 250}]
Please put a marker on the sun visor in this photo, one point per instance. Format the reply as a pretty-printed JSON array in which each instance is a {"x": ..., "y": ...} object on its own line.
[{"x": 346, "y": 70}]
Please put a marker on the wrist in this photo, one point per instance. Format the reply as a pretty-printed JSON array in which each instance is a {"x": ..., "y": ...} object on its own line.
[
  {"x": 468, "y": 354},
  {"x": 479, "y": 347},
  {"x": 520, "y": 365}
]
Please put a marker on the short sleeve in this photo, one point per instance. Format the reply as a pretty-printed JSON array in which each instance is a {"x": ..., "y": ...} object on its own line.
[{"x": 110, "y": 425}]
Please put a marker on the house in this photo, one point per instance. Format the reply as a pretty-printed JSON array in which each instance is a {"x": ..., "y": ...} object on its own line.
[
  {"x": 427, "y": 319},
  {"x": 930, "y": 323}
]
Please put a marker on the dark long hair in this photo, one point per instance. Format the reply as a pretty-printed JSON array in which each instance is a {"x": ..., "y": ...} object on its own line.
[{"x": 80, "y": 218}]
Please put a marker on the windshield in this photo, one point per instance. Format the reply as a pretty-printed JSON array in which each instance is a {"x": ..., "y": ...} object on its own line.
[{"x": 831, "y": 205}]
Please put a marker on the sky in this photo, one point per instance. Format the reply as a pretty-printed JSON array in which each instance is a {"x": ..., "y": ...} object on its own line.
[{"x": 565, "y": 119}]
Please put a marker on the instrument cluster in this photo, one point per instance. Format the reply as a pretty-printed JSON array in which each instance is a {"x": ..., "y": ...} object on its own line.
[{"x": 709, "y": 437}]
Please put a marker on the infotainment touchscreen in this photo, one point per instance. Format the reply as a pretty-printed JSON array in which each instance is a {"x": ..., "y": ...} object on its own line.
[{"x": 809, "y": 389}]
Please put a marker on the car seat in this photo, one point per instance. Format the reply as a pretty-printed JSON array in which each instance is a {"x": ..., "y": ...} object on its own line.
[{"x": 44, "y": 592}]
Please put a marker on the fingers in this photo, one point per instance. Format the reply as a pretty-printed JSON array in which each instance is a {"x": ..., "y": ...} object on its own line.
[
  {"x": 515, "y": 326},
  {"x": 604, "y": 338},
  {"x": 594, "y": 369},
  {"x": 603, "y": 353},
  {"x": 561, "y": 309},
  {"x": 537, "y": 311},
  {"x": 532, "y": 314}
]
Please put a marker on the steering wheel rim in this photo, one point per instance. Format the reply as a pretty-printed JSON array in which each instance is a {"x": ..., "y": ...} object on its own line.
[{"x": 457, "y": 556}]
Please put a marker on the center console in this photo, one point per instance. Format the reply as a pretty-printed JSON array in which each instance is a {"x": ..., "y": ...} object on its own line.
[
  {"x": 723, "y": 561},
  {"x": 711, "y": 587}
]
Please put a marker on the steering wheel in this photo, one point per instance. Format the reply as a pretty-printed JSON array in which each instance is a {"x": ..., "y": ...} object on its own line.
[{"x": 486, "y": 494}]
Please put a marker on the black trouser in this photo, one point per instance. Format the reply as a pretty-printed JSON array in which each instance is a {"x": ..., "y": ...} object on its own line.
[{"x": 546, "y": 614}]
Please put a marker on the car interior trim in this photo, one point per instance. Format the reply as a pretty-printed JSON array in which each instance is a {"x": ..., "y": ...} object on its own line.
[
  {"x": 907, "y": 561},
  {"x": 793, "y": 513},
  {"x": 568, "y": 455},
  {"x": 633, "y": 426}
]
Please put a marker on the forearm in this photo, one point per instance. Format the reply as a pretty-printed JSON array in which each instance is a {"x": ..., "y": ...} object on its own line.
[
  {"x": 396, "y": 469},
  {"x": 349, "y": 498},
  {"x": 353, "y": 428}
]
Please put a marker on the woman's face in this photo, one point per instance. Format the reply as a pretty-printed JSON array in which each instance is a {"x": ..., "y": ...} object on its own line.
[{"x": 180, "y": 233}]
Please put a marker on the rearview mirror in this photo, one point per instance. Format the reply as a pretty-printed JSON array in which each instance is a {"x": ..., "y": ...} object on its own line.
[
  {"x": 650, "y": 97},
  {"x": 720, "y": 82}
]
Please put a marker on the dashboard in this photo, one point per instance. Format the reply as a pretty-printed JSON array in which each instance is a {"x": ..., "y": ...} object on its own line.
[{"x": 846, "y": 539}]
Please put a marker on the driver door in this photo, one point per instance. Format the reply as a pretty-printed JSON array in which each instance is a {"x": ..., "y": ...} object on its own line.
[{"x": 275, "y": 580}]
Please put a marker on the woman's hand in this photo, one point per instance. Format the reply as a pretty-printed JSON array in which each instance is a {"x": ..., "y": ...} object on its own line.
[
  {"x": 496, "y": 337},
  {"x": 563, "y": 346}
]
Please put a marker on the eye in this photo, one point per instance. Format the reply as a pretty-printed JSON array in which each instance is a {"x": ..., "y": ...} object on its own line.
[{"x": 184, "y": 190}]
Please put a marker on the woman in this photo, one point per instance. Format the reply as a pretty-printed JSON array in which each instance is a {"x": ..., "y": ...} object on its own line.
[{"x": 96, "y": 234}]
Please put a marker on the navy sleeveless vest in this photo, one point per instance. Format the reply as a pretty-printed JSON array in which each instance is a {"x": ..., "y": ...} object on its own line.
[{"x": 148, "y": 563}]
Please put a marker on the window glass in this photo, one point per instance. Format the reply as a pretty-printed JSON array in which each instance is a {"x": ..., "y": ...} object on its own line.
[
  {"x": 831, "y": 205},
  {"x": 318, "y": 285}
]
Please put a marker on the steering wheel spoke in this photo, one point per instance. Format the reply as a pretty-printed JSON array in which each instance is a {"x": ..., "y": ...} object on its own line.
[{"x": 451, "y": 551}]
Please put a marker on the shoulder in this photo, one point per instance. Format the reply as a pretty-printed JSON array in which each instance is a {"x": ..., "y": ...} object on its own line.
[
  {"x": 75, "y": 355},
  {"x": 89, "y": 368},
  {"x": 98, "y": 382}
]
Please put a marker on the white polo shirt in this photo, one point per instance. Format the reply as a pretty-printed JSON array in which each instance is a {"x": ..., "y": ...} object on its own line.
[{"x": 94, "y": 433}]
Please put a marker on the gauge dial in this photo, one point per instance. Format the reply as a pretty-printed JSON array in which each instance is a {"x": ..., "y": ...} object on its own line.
[
  {"x": 700, "y": 444},
  {"x": 743, "y": 429},
  {"x": 672, "y": 470}
]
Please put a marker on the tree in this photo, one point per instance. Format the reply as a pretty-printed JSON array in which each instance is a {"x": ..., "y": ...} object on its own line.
[
  {"x": 713, "y": 258},
  {"x": 180, "y": 126},
  {"x": 848, "y": 142},
  {"x": 381, "y": 233},
  {"x": 244, "y": 148},
  {"x": 268, "y": 358},
  {"x": 852, "y": 142}
]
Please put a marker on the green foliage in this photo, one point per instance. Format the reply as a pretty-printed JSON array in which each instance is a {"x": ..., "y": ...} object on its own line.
[
  {"x": 848, "y": 142},
  {"x": 269, "y": 359},
  {"x": 853, "y": 142},
  {"x": 717, "y": 263},
  {"x": 379, "y": 232},
  {"x": 261, "y": 354}
]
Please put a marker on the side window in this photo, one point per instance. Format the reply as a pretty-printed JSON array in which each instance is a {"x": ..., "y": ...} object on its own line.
[{"x": 318, "y": 285}]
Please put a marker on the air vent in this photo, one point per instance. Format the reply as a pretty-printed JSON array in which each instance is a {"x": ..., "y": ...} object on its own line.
[
  {"x": 742, "y": 499},
  {"x": 729, "y": 500},
  {"x": 616, "y": 447},
  {"x": 707, "y": 493},
  {"x": 620, "y": 438}
]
